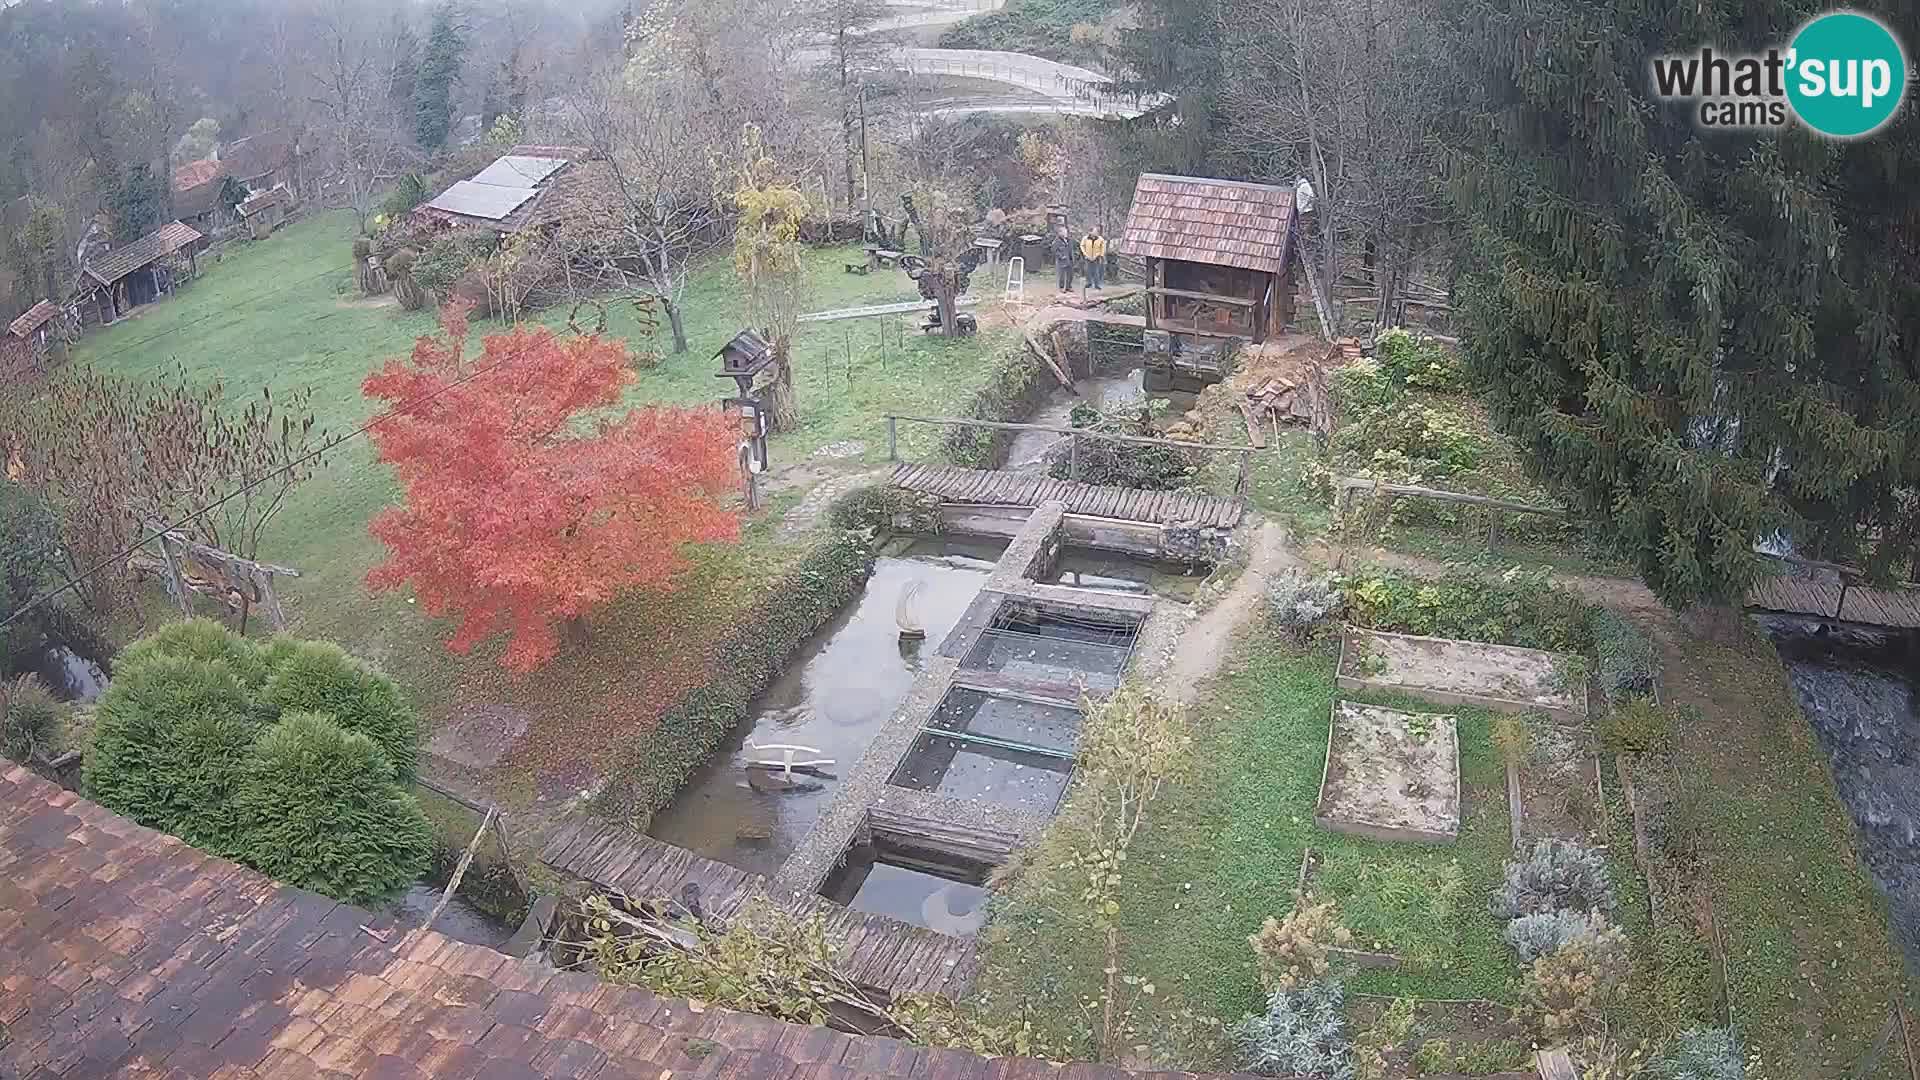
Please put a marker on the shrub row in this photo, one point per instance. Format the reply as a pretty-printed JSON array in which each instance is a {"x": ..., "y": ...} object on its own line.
[
  {"x": 746, "y": 662},
  {"x": 290, "y": 757},
  {"x": 1014, "y": 386},
  {"x": 881, "y": 508},
  {"x": 1519, "y": 608}
]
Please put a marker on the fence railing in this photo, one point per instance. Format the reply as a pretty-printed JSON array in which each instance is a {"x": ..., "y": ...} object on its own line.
[{"x": 1077, "y": 434}]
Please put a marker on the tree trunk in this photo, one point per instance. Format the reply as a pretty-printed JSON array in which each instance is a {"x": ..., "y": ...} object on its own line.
[
  {"x": 781, "y": 402},
  {"x": 677, "y": 321},
  {"x": 943, "y": 288}
]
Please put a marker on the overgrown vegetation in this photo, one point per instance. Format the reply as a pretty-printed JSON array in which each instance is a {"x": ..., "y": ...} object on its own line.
[
  {"x": 29, "y": 720},
  {"x": 1015, "y": 383},
  {"x": 1519, "y": 607},
  {"x": 1303, "y": 1032},
  {"x": 1063, "y": 30},
  {"x": 192, "y": 739},
  {"x": 1108, "y": 463}
]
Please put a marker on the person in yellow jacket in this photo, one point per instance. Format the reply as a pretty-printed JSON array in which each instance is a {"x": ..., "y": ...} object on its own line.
[{"x": 1093, "y": 248}]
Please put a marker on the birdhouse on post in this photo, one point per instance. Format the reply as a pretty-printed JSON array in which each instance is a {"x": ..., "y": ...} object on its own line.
[{"x": 741, "y": 360}]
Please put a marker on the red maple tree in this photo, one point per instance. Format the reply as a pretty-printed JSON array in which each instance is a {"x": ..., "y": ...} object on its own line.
[{"x": 522, "y": 515}]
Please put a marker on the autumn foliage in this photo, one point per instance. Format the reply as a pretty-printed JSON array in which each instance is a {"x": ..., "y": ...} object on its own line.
[{"x": 529, "y": 501}]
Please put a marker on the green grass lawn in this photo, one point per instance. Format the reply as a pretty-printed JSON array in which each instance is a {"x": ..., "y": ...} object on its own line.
[
  {"x": 284, "y": 313},
  {"x": 1221, "y": 850}
]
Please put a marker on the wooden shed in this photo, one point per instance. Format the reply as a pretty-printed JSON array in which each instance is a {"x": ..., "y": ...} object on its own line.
[
  {"x": 264, "y": 212},
  {"x": 115, "y": 281},
  {"x": 1219, "y": 254}
]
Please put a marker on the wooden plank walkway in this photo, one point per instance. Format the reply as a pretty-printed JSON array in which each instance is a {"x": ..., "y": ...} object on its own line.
[
  {"x": 878, "y": 953},
  {"x": 990, "y": 487},
  {"x": 902, "y": 308},
  {"x": 1794, "y": 594}
]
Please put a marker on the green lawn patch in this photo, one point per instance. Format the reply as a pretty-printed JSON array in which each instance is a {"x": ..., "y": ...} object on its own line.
[
  {"x": 284, "y": 313},
  {"x": 1221, "y": 851}
]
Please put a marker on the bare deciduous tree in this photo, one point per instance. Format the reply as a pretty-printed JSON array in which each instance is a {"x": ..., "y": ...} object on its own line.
[{"x": 353, "y": 65}]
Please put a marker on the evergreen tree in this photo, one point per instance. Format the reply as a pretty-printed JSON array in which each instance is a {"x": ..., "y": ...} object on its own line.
[
  {"x": 138, "y": 204},
  {"x": 1173, "y": 49},
  {"x": 440, "y": 66},
  {"x": 1702, "y": 338}
]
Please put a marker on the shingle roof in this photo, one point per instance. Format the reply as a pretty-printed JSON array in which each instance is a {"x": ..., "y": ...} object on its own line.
[
  {"x": 258, "y": 155},
  {"x": 124, "y": 952},
  {"x": 194, "y": 173},
  {"x": 157, "y": 244},
  {"x": 36, "y": 317},
  {"x": 268, "y": 198},
  {"x": 1218, "y": 222}
]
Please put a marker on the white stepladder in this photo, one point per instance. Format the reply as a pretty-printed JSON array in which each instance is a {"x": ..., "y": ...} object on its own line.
[
  {"x": 1016, "y": 280},
  {"x": 787, "y": 762}
]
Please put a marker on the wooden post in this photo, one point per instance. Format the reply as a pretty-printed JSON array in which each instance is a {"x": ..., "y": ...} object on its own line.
[
  {"x": 1240, "y": 482},
  {"x": 176, "y": 579},
  {"x": 893, "y": 438},
  {"x": 1073, "y": 458},
  {"x": 1493, "y": 529}
]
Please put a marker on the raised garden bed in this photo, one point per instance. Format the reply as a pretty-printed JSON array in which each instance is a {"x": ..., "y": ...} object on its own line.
[
  {"x": 1447, "y": 672},
  {"x": 1391, "y": 775},
  {"x": 1446, "y": 1039},
  {"x": 1559, "y": 790}
]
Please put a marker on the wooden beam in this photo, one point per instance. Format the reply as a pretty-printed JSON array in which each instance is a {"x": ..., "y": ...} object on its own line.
[
  {"x": 954, "y": 421},
  {"x": 1350, "y": 484},
  {"x": 1211, "y": 298}
]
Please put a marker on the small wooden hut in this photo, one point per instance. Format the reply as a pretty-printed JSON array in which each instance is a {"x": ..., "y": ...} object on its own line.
[
  {"x": 31, "y": 338},
  {"x": 115, "y": 281},
  {"x": 264, "y": 212},
  {"x": 1220, "y": 262}
]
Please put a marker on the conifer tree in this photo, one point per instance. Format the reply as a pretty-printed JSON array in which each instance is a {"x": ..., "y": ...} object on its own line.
[
  {"x": 439, "y": 70},
  {"x": 1704, "y": 339}
]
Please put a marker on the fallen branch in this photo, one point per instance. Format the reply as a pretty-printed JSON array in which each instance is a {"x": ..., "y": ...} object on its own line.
[{"x": 460, "y": 871}]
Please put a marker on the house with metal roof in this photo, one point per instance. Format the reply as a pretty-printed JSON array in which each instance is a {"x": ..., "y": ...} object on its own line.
[
  {"x": 1220, "y": 256},
  {"x": 115, "y": 280}
]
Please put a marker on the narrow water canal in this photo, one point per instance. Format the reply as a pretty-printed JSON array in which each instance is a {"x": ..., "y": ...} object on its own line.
[
  {"x": 1861, "y": 693},
  {"x": 842, "y": 687},
  {"x": 1104, "y": 392}
]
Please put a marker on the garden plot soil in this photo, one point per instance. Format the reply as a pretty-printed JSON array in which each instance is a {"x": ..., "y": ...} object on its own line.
[
  {"x": 1391, "y": 775},
  {"x": 1448, "y": 672},
  {"x": 1477, "y": 1036},
  {"x": 1558, "y": 792}
]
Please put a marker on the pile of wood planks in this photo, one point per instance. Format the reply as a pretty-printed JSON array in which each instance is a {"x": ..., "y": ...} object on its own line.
[
  {"x": 1344, "y": 351},
  {"x": 1284, "y": 400}
]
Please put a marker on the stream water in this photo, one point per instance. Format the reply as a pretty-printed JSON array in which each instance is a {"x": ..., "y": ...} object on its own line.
[
  {"x": 1029, "y": 448},
  {"x": 834, "y": 697},
  {"x": 69, "y": 675},
  {"x": 1861, "y": 693},
  {"x": 462, "y": 921}
]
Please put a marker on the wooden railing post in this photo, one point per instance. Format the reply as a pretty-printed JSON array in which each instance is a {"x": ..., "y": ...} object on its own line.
[
  {"x": 1073, "y": 458},
  {"x": 1240, "y": 482},
  {"x": 893, "y": 438}
]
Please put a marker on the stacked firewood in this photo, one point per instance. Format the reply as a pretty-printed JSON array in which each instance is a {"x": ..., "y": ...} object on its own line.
[
  {"x": 1276, "y": 401},
  {"x": 1345, "y": 351}
]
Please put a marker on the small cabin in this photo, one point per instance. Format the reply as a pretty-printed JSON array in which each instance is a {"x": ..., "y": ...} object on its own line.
[
  {"x": 264, "y": 212},
  {"x": 115, "y": 281},
  {"x": 1220, "y": 259}
]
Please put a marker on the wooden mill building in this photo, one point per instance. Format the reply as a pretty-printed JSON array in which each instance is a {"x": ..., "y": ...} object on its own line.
[{"x": 1220, "y": 261}]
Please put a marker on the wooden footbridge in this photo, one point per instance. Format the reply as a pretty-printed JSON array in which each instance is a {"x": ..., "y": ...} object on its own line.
[
  {"x": 879, "y": 954},
  {"x": 1829, "y": 591},
  {"x": 996, "y": 487},
  {"x": 989, "y": 487}
]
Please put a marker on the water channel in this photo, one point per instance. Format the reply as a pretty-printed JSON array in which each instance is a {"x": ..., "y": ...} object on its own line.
[
  {"x": 1860, "y": 691},
  {"x": 1104, "y": 392},
  {"x": 834, "y": 697}
]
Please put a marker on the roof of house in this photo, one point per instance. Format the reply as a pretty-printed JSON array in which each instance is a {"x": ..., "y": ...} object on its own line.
[
  {"x": 119, "y": 262},
  {"x": 1218, "y": 222},
  {"x": 264, "y": 200},
  {"x": 257, "y": 155},
  {"x": 194, "y": 173},
  {"x": 124, "y": 951},
  {"x": 522, "y": 191},
  {"x": 36, "y": 317}
]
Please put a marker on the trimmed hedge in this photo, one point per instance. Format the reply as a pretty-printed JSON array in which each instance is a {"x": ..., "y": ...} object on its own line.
[
  {"x": 880, "y": 508},
  {"x": 746, "y": 663},
  {"x": 207, "y": 736},
  {"x": 324, "y": 812},
  {"x": 319, "y": 676},
  {"x": 1014, "y": 386}
]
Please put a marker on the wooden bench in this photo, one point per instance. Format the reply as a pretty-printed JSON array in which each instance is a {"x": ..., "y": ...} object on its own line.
[{"x": 877, "y": 256}]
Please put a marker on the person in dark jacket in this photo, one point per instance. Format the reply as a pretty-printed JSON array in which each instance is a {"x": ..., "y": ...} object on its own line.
[{"x": 1063, "y": 253}]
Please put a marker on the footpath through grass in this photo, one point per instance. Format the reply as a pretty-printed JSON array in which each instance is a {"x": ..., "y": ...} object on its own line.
[
  {"x": 1221, "y": 850},
  {"x": 284, "y": 313}
]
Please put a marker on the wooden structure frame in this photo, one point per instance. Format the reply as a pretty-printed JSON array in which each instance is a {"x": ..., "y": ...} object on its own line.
[
  {"x": 1219, "y": 255},
  {"x": 240, "y": 584}
]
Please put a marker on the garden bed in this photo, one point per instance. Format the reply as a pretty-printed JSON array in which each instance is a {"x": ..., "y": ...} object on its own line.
[
  {"x": 1448, "y": 672},
  {"x": 1443, "y": 1038},
  {"x": 1559, "y": 789},
  {"x": 1391, "y": 775}
]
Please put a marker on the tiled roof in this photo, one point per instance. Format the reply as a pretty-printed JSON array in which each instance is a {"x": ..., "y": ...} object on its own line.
[
  {"x": 194, "y": 173},
  {"x": 1218, "y": 222},
  {"x": 268, "y": 198},
  {"x": 157, "y": 244},
  {"x": 36, "y": 317},
  {"x": 258, "y": 155},
  {"x": 126, "y": 953}
]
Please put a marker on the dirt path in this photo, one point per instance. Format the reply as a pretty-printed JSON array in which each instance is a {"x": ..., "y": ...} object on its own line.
[{"x": 1207, "y": 641}]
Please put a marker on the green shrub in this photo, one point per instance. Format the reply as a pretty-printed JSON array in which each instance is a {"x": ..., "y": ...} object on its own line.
[
  {"x": 202, "y": 639},
  {"x": 1568, "y": 989},
  {"x": 1518, "y": 608},
  {"x": 318, "y": 676},
  {"x": 743, "y": 665},
  {"x": 321, "y": 810},
  {"x": 1412, "y": 442},
  {"x": 1624, "y": 655},
  {"x": 1013, "y": 386},
  {"x": 449, "y": 258},
  {"x": 1557, "y": 875},
  {"x": 1702, "y": 1054},
  {"x": 1637, "y": 726},
  {"x": 1302, "y": 1033},
  {"x": 1534, "y": 936},
  {"x": 29, "y": 719},
  {"x": 1040, "y": 27},
  {"x": 882, "y": 508},
  {"x": 168, "y": 740},
  {"x": 1298, "y": 604},
  {"x": 408, "y": 192},
  {"x": 1121, "y": 464},
  {"x": 1418, "y": 362}
]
